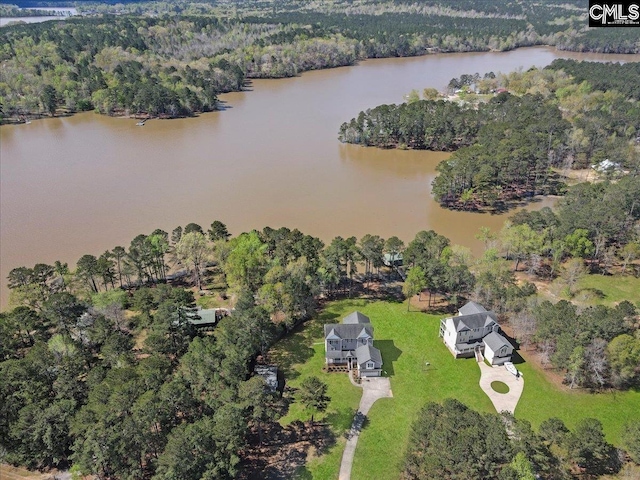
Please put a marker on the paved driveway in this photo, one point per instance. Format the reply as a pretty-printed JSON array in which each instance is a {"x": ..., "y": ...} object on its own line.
[
  {"x": 372, "y": 389},
  {"x": 501, "y": 401}
]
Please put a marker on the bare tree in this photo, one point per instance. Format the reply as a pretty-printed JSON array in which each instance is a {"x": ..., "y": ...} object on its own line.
[
  {"x": 629, "y": 253},
  {"x": 535, "y": 262},
  {"x": 524, "y": 327},
  {"x": 194, "y": 251},
  {"x": 573, "y": 271},
  {"x": 608, "y": 258},
  {"x": 597, "y": 366},
  {"x": 546, "y": 349}
]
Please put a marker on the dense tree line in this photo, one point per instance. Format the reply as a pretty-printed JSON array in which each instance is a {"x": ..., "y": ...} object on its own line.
[
  {"x": 168, "y": 66},
  {"x": 402, "y": 28},
  {"x": 12, "y": 11},
  {"x": 424, "y": 124},
  {"x": 511, "y": 143},
  {"x": 179, "y": 404},
  {"x": 595, "y": 223},
  {"x": 100, "y": 367},
  {"x": 76, "y": 389},
  {"x": 451, "y": 441},
  {"x": 175, "y": 60},
  {"x": 598, "y": 347},
  {"x": 506, "y": 144},
  {"x": 624, "y": 78}
]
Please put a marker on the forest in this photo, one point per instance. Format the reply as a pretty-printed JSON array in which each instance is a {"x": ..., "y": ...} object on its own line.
[
  {"x": 513, "y": 134},
  {"x": 101, "y": 368},
  {"x": 173, "y": 59},
  {"x": 450, "y": 440}
]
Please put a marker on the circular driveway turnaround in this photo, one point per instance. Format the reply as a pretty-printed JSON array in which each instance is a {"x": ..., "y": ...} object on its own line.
[
  {"x": 372, "y": 389},
  {"x": 501, "y": 401}
]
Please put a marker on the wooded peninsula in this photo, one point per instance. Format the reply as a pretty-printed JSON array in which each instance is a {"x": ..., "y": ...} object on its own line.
[
  {"x": 169, "y": 60},
  {"x": 514, "y": 134}
]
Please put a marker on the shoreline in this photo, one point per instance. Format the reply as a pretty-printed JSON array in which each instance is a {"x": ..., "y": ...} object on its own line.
[{"x": 40, "y": 116}]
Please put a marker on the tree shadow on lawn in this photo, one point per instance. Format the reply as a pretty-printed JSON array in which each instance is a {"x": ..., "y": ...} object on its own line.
[
  {"x": 390, "y": 354},
  {"x": 341, "y": 420},
  {"x": 302, "y": 473},
  {"x": 297, "y": 346}
]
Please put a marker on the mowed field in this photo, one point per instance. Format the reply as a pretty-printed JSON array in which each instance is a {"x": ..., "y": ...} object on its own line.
[{"x": 421, "y": 370}]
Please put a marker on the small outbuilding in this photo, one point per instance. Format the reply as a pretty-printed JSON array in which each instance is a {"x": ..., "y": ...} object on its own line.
[
  {"x": 392, "y": 259},
  {"x": 272, "y": 377}
]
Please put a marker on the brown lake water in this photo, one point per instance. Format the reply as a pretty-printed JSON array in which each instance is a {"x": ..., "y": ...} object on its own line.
[{"x": 86, "y": 183}]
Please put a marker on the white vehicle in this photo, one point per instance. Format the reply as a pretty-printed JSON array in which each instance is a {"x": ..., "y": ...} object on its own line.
[{"x": 511, "y": 368}]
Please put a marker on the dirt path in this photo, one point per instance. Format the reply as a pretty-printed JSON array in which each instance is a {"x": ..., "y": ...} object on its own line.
[{"x": 372, "y": 390}]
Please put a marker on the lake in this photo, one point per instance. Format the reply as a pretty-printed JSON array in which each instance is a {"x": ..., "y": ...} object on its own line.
[
  {"x": 58, "y": 13},
  {"x": 86, "y": 183}
]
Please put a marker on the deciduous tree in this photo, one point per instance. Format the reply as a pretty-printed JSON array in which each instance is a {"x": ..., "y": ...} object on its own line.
[{"x": 194, "y": 251}]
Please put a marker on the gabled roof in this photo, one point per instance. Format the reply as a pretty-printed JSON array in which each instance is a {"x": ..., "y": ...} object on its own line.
[
  {"x": 353, "y": 331},
  {"x": 366, "y": 353},
  {"x": 207, "y": 317},
  {"x": 364, "y": 333},
  {"x": 476, "y": 320},
  {"x": 470, "y": 308},
  {"x": 332, "y": 335},
  {"x": 356, "y": 317},
  {"x": 495, "y": 341}
]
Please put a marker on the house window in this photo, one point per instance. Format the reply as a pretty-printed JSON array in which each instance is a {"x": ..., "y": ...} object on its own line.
[{"x": 370, "y": 365}]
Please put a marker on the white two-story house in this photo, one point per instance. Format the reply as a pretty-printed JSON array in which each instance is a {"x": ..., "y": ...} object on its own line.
[{"x": 473, "y": 330}]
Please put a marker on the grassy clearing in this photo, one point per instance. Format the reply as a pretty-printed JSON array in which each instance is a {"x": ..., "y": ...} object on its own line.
[
  {"x": 594, "y": 289},
  {"x": 500, "y": 387},
  {"x": 9, "y": 472},
  {"x": 408, "y": 341},
  {"x": 610, "y": 290}
]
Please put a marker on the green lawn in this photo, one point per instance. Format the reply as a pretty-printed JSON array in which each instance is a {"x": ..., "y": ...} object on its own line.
[
  {"x": 408, "y": 341},
  {"x": 542, "y": 399},
  {"x": 500, "y": 387},
  {"x": 610, "y": 290},
  {"x": 301, "y": 355}
]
